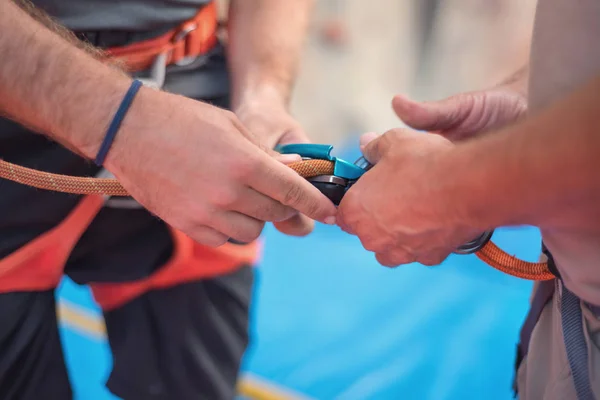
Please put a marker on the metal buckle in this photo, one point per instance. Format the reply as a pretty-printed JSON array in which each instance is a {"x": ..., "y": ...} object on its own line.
[
  {"x": 182, "y": 34},
  {"x": 363, "y": 163},
  {"x": 158, "y": 70}
]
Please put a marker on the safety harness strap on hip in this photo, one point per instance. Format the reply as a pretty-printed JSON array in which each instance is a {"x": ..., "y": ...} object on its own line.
[{"x": 575, "y": 344}]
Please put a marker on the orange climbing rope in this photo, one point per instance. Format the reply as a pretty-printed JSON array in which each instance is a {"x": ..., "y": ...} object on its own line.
[
  {"x": 112, "y": 187},
  {"x": 490, "y": 253}
]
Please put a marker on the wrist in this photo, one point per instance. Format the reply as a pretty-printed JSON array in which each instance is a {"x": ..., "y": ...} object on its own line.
[
  {"x": 90, "y": 100},
  {"x": 271, "y": 94},
  {"x": 476, "y": 177},
  {"x": 135, "y": 130}
]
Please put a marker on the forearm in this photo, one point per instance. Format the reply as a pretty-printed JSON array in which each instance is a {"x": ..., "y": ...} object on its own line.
[
  {"x": 265, "y": 42},
  {"x": 541, "y": 172},
  {"x": 49, "y": 84}
]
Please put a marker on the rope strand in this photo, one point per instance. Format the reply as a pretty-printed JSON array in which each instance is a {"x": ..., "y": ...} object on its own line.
[{"x": 490, "y": 254}]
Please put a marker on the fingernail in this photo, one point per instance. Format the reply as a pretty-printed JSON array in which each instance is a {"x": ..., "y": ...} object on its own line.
[
  {"x": 330, "y": 220},
  {"x": 288, "y": 158},
  {"x": 367, "y": 138}
]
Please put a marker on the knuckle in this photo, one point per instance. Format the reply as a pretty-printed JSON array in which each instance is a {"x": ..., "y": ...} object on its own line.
[
  {"x": 432, "y": 260},
  {"x": 395, "y": 258},
  {"x": 243, "y": 168},
  {"x": 196, "y": 216},
  {"x": 427, "y": 261},
  {"x": 392, "y": 135},
  {"x": 292, "y": 196},
  {"x": 371, "y": 243},
  {"x": 208, "y": 237},
  {"x": 231, "y": 116},
  {"x": 251, "y": 234},
  {"x": 385, "y": 260},
  {"x": 226, "y": 198},
  {"x": 217, "y": 241},
  {"x": 279, "y": 213}
]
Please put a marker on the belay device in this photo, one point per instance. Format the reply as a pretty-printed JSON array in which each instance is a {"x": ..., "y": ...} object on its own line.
[{"x": 345, "y": 174}]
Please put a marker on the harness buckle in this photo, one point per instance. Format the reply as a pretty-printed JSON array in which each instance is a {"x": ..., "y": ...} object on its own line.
[
  {"x": 182, "y": 35},
  {"x": 158, "y": 71}
]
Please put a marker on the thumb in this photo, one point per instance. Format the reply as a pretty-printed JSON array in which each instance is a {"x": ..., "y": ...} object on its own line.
[
  {"x": 442, "y": 115},
  {"x": 374, "y": 147}
]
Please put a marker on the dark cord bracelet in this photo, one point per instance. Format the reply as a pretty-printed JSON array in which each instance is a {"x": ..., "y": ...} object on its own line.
[{"x": 113, "y": 128}]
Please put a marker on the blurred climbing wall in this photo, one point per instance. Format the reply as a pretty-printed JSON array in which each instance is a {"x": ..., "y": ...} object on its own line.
[{"x": 360, "y": 53}]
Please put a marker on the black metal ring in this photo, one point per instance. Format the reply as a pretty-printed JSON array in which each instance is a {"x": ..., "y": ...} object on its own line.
[{"x": 476, "y": 244}]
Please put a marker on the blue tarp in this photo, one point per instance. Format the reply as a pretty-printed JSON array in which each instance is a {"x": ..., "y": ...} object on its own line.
[{"x": 330, "y": 323}]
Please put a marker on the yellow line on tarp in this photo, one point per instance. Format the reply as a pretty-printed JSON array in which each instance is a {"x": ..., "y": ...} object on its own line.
[{"x": 91, "y": 325}]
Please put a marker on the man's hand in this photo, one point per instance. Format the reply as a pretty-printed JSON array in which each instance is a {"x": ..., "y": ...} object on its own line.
[
  {"x": 468, "y": 114},
  {"x": 198, "y": 168},
  {"x": 266, "y": 39},
  {"x": 396, "y": 208},
  {"x": 268, "y": 119},
  {"x": 192, "y": 164}
]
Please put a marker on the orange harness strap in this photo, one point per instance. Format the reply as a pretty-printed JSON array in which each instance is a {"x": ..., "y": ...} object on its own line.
[
  {"x": 190, "y": 262},
  {"x": 191, "y": 39},
  {"x": 39, "y": 264}
]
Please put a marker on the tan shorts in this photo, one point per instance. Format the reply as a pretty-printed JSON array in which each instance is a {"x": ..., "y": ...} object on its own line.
[{"x": 544, "y": 373}]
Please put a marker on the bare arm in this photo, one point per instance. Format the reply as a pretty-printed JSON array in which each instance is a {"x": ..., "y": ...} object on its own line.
[
  {"x": 265, "y": 41},
  {"x": 46, "y": 82},
  {"x": 162, "y": 154},
  {"x": 542, "y": 172}
]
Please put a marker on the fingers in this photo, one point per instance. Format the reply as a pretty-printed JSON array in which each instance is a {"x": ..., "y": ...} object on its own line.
[
  {"x": 298, "y": 225},
  {"x": 281, "y": 183},
  {"x": 261, "y": 207},
  {"x": 433, "y": 259},
  {"x": 401, "y": 256},
  {"x": 394, "y": 258},
  {"x": 375, "y": 147},
  {"x": 293, "y": 136},
  {"x": 287, "y": 158},
  {"x": 208, "y": 236},
  {"x": 367, "y": 138},
  {"x": 238, "y": 226},
  {"x": 441, "y": 115}
]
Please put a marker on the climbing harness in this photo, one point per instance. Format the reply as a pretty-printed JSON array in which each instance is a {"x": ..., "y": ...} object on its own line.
[
  {"x": 331, "y": 175},
  {"x": 39, "y": 264}
]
